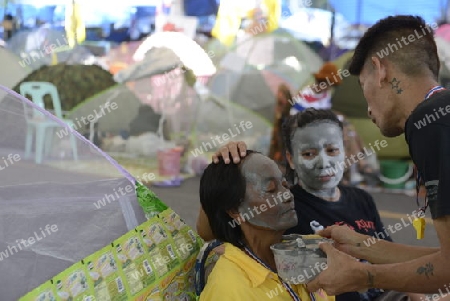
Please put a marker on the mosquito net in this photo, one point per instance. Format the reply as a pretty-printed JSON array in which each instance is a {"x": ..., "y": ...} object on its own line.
[
  {"x": 159, "y": 105},
  {"x": 61, "y": 197},
  {"x": 218, "y": 121}
]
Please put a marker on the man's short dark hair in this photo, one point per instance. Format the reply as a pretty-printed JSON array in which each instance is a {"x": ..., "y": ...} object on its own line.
[{"x": 389, "y": 38}]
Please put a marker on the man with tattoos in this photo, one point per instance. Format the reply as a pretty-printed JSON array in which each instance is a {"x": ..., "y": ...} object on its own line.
[{"x": 398, "y": 65}]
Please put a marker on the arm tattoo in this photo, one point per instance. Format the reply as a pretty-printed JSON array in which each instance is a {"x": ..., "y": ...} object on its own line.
[
  {"x": 427, "y": 270},
  {"x": 370, "y": 280},
  {"x": 395, "y": 85}
]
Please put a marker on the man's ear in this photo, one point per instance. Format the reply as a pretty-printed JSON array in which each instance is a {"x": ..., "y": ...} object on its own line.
[
  {"x": 379, "y": 69},
  {"x": 290, "y": 160}
]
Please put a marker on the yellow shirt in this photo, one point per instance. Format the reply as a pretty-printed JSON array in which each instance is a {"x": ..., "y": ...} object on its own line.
[{"x": 236, "y": 276}]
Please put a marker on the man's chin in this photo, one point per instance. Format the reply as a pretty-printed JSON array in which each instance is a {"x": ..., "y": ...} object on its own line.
[{"x": 391, "y": 132}]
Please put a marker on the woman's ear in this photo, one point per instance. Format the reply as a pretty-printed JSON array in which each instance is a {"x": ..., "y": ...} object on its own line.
[
  {"x": 235, "y": 215},
  {"x": 290, "y": 160}
]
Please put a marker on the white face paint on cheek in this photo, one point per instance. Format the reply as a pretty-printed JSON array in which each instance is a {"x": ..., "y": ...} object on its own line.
[
  {"x": 305, "y": 163},
  {"x": 271, "y": 217},
  {"x": 255, "y": 169},
  {"x": 311, "y": 171}
]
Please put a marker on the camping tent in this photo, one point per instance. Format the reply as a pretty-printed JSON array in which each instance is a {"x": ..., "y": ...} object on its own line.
[
  {"x": 114, "y": 109},
  {"x": 45, "y": 46},
  {"x": 162, "y": 86},
  {"x": 190, "y": 53},
  {"x": 162, "y": 81},
  {"x": 75, "y": 83},
  {"x": 14, "y": 69},
  {"x": 57, "y": 213},
  {"x": 250, "y": 73},
  {"x": 349, "y": 100},
  {"x": 148, "y": 89}
]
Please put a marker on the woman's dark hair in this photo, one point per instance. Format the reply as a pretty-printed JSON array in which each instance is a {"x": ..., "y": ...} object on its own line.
[
  {"x": 222, "y": 189},
  {"x": 300, "y": 120}
]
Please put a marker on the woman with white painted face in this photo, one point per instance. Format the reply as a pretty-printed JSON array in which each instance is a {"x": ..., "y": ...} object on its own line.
[
  {"x": 235, "y": 198},
  {"x": 314, "y": 151}
]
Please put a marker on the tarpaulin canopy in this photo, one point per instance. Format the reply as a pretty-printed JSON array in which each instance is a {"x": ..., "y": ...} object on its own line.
[
  {"x": 369, "y": 12},
  {"x": 201, "y": 7}
]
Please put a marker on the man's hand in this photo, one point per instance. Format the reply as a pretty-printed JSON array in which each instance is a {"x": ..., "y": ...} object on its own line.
[
  {"x": 346, "y": 239},
  {"x": 236, "y": 149},
  {"x": 343, "y": 274}
]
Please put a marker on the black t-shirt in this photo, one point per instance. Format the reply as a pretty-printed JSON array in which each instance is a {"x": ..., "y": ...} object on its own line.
[
  {"x": 355, "y": 208},
  {"x": 427, "y": 132}
]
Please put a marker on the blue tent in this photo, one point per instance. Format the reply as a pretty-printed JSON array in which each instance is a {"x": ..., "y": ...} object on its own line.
[{"x": 368, "y": 12}]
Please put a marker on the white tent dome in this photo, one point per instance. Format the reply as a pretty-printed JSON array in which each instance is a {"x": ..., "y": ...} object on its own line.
[{"x": 14, "y": 68}]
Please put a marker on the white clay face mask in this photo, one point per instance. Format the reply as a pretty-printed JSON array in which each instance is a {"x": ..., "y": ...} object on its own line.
[
  {"x": 267, "y": 204},
  {"x": 318, "y": 153}
]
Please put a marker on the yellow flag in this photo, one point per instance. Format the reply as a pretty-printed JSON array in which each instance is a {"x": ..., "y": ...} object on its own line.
[
  {"x": 75, "y": 27},
  {"x": 273, "y": 14},
  {"x": 54, "y": 58},
  {"x": 227, "y": 23}
]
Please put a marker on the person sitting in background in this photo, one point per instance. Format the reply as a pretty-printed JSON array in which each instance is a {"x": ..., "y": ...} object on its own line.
[
  {"x": 247, "y": 269},
  {"x": 282, "y": 108},
  {"x": 8, "y": 27},
  {"x": 318, "y": 95}
]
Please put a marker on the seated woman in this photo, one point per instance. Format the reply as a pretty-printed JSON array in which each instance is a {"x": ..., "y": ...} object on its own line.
[
  {"x": 315, "y": 153},
  {"x": 229, "y": 194}
]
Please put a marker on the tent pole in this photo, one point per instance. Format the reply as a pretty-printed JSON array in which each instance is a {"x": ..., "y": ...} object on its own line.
[
  {"x": 358, "y": 11},
  {"x": 446, "y": 11},
  {"x": 333, "y": 23},
  {"x": 74, "y": 24}
]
